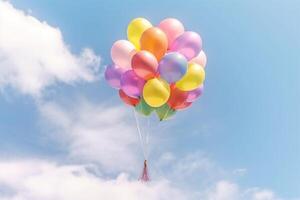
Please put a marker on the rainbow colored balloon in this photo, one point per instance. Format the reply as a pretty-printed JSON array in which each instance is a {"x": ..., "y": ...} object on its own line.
[{"x": 158, "y": 69}]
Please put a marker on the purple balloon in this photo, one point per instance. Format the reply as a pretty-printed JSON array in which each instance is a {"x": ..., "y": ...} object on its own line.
[
  {"x": 131, "y": 84},
  {"x": 113, "y": 75},
  {"x": 194, "y": 94},
  {"x": 188, "y": 44},
  {"x": 172, "y": 67}
]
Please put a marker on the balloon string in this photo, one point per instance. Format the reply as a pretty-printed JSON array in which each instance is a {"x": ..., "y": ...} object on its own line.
[
  {"x": 166, "y": 114},
  {"x": 147, "y": 138},
  {"x": 140, "y": 134},
  {"x": 144, "y": 134}
]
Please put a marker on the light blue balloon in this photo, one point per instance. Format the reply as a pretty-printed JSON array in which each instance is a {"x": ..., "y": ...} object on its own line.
[{"x": 172, "y": 67}]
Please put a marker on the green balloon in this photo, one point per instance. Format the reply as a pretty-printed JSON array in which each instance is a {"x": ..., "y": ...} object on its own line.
[
  {"x": 164, "y": 112},
  {"x": 143, "y": 108}
]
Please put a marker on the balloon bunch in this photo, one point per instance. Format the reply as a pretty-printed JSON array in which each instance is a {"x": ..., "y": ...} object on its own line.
[{"x": 159, "y": 69}]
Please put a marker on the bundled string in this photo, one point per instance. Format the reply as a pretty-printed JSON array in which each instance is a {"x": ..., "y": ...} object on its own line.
[{"x": 144, "y": 140}]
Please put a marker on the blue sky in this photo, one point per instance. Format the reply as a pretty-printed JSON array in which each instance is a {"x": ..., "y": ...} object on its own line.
[{"x": 248, "y": 117}]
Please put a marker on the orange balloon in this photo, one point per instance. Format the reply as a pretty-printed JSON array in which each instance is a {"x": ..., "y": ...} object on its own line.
[{"x": 155, "y": 41}]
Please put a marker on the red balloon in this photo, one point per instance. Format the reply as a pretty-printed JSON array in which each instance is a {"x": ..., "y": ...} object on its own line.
[
  {"x": 177, "y": 97},
  {"x": 144, "y": 64},
  {"x": 127, "y": 99},
  {"x": 183, "y": 105}
]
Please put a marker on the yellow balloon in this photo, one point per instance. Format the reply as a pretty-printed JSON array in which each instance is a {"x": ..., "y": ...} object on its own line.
[
  {"x": 192, "y": 79},
  {"x": 135, "y": 30},
  {"x": 156, "y": 92}
]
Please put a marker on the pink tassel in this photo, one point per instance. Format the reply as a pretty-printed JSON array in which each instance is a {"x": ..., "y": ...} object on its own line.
[{"x": 145, "y": 175}]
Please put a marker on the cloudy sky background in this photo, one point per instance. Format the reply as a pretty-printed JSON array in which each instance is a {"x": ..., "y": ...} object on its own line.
[{"x": 64, "y": 134}]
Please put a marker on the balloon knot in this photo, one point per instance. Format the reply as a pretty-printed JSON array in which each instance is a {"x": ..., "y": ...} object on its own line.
[{"x": 145, "y": 174}]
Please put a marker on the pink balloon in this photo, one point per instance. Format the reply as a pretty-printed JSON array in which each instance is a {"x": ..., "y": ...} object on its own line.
[
  {"x": 172, "y": 28},
  {"x": 188, "y": 44},
  {"x": 131, "y": 84},
  {"x": 194, "y": 94},
  {"x": 200, "y": 59},
  {"x": 122, "y": 52}
]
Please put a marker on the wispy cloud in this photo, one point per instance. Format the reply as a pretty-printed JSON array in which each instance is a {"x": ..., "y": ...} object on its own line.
[
  {"x": 33, "y": 54},
  {"x": 193, "y": 170},
  {"x": 94, "y": 133}
]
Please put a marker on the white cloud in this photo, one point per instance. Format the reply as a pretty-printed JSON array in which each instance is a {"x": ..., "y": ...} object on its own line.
[
  {"x": 264, "y": 195},
  {"x": 95, "y": 133},
  {"x": 39, "y": 179},
  {"x": 35, "y": 180},
  {"x": 224, "y": 191},
  {"x": 33, "y": 54}
]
